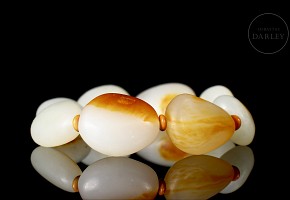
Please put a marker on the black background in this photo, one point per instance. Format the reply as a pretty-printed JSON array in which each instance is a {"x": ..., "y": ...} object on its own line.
[{"x": 65, "y": 55}]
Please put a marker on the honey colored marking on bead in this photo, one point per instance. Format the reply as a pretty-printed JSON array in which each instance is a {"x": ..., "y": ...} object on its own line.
[
  {"x": 169, "y": 151},
  {"x": 236, "y": 173},
  {"x": 76, "y": 122},
  {"x": 165, "y": 101},
  {"x": 125, "y": 104},
  {"x": 237, "y": 121},
  {"x": 162, "y": 122},
  {"x": 75, "y": 184},
  {"x": 162, "y": 187}
]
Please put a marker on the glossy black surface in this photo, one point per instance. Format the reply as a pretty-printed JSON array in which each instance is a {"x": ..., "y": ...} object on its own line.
[{"x": 190, "y": 49}]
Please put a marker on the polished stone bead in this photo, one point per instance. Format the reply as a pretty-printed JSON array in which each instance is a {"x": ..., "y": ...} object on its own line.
[
  {"x": 197, "y": 126},
  {"x": 245, "y": 134},
  {"x": 117, "y": 124},
  {"x": 118, "y": 178}
]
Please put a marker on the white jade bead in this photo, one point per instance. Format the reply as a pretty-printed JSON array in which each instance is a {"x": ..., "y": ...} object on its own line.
[
  {"x": 55, "y": 167},
  {"x": 243, "y": 158},
  {"x": 118, "y": 178},
  {"x": 53, "y": 126},
  {"x": 162, "y": 151},
  {"x": 159, "y": 96},
  {"x": 245, "y": 134},
  {"x": 222, "y": 149},
  {"x": 126, "y": 135},
  {"x": 77, "y": 149},
  {"x": 49, "y": 102},
  {"x": 118, "y": 124},
  {"x": 96, "y": 91},
  {"x": 211, "y": 93}
]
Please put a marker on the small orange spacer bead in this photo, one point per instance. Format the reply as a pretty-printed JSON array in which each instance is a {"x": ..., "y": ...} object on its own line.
[
  {"x": 236, "y": 173},
  {"x": 162, "y": 122},
  {"x": 162, "y": 187},
  {"x": 237, "y": 121},
  {"x": 76, "y": 122},
  {"x": 75, "y": 184}
]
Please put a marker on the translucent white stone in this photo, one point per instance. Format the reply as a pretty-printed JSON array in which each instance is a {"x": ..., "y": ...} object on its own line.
[
  {"x": 118, "y": 178},
  {"x": 159, "y": 96},
  {"x": 118, "y": 124},
  {"x": 96, "y": 91},
  {"x": 245, "y": 134},
  {"x": 162, "y": 151},
  {"x": 53, "y": 126},
  {"x": 222, "y": 149},
  {"x": 243, "y": 158},
  {"x": 211, "y": 93},
  {"x": 49, "y": 102},
  {"x": 55, "y": 167},
  {"x": 77, "y": 149}
]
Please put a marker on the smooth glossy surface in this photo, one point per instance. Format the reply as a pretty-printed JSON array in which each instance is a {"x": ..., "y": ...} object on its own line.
[
  {"x": 53, "y": 126},
  {"x": 76, "y": 149},
  {"x": 55, "y": 167},
  {"x": 162, "y": 151},
  {"x": 245, "y": 134},
  {"x": 243, "y": 158},
  {"x": 118, "y": 125},
  {"x": 49, "y": 102},
  {"x": 86, "y": 97},
  {"x": 197, "y": 126},
  {"x": 159, "y": 96},
  {"x": 118, "y": 178},
  {"x": 211, "y": 93},
  {"x": 197, "y": 177}
]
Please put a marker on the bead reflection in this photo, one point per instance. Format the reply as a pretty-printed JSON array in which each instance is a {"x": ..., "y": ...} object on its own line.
[
  {"x": 243, "y": 158},
  {"x": 55, "y": 167},
  {"x": 194, "y": 177},
  {"x": 197, "y": 177}
]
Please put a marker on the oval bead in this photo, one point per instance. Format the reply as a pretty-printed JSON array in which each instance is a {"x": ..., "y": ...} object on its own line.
[
  {"x": 245, "y": 134},
  {"x": 76, "y": 149},
  {"x": 197, "y": 126},
  {"x": 162, "y": 151},
  {"x": 243, "y": 158},
  {"x": 55, "y": 167},
  {"x": 197, "y": 177},
  {"x": 53, "y": 126},
  {"x": 211, "y": 93},
  {"x": 86, "y": 97},
  {"x": 49, "y": 102},
  {"x": 118, "y": 178},
  {"x": 160, "y": 95},
  {"x": 117, "y": 124},
  {"x": 222, "y": 149}
]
